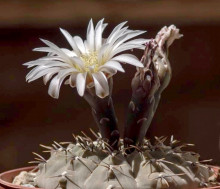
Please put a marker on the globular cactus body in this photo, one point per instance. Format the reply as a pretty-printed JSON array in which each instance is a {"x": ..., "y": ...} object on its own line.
[{"x": 148, "y": 166}]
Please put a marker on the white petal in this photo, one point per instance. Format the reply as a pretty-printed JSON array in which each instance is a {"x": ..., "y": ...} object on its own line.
[
  {"x": 104, "y": 26},
  {"x": 87, "y": 49},
  {"x": 57, "y": 64},
  {"x": 114, "y": 65},
  {"x": 34, "y": 71},
  {"x": 56, "y": 82},
  {"x": 103, "y": 53},
  {"x": 32, "y": 63},
  {"x": 91, "y": 36},
  {"x": 118, "y": 34},
  {"x": 125, "y": 48},
  {"x": 139, "y": 41},
  {"x": 51, "y": 58},
  {"x": 68, "y": 52},
  {"x": 43, "y": 71},
  {"x": 81, "y": 83},
  {"x": 117, "y": 28},
  {"x": 67, "y": 82},
  {"x": 79, "y": 42},
  {"x": 44, "y": 49},
  {"x": 128, "y": 58},
  {"x": 47, "y": 77},
  {"x": 47, "y": 63},
  {"x": 54, "y": 87},
  {"x": 71, "y": 41},
  {"x": 98, "y": 35},
  {"x": 109, "y": 72},
  {"x": 101, "y": 84},
  {"x": 56, "y": 49},
  {"x": 127, "y": 37},
  {"x": 72, "y": 80},
  {"x": 53, "y": 54},
  {"x": 68, "y": 71},
  {"x": 78, "y": 62}
]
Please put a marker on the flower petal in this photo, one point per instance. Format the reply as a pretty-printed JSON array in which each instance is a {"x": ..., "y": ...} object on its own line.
[
  {"x": 118, "y": 34},
  {"x": 126, "y": 37},
  {"x": 44, "y": 49},
  {"x": 78, "y": 62},
  {"x": 81, "y": 83},
  {"x": 101, "y": 84},
  {"x": 87, "y": 49},
  {"x": 115, "y": 30},
  {"x": 139, "y": 41},
  {"x": 48, "y": 76},
  {"x": 68, "y": 52},
  {"x": 56, "y": 82},
  {"x": 42, "y": 71},
  {"x": 54, "y": 87},
  {"x": 55, "y": 49},
  {"x": 104, "y": 26},
  {"x": 50, "y": 58},
  {"x": 128, "y": 58},
  {"x": 109, "y": 72},
  {"x": 90, "y": 36},
  {"x": 72, "y": 80},
  {"x": 79, "y": 43},
  {"x": 125, "y": 48},
  {"x": 98, "y": 34},
  {"x": 57, "y": 64},
  {"x": 47, "y": 63},
  {"x": 34, "y": 71},
  {"x": 114, "y": 65},
  {"x": 102, "y": 54},
  {"x": 71, "y": 41}
]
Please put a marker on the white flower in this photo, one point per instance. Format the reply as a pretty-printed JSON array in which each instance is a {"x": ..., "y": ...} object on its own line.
[{"x": 90, "y": 63}]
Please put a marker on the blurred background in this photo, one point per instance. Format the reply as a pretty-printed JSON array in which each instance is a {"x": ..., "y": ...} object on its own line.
[{"x": 190, "y": 106}]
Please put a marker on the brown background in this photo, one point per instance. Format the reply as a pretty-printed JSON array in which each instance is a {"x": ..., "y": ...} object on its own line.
[{"x": 190, "y": 106}]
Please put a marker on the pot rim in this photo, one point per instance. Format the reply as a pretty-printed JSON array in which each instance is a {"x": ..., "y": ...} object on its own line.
[{"x": 8, "y": 184}]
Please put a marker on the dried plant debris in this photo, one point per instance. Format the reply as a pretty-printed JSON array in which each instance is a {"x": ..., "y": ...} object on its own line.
[{"x": 94, "y": 164}]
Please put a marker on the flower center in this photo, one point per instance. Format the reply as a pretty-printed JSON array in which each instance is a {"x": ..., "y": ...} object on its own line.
[{"x": 90, "y": 61}]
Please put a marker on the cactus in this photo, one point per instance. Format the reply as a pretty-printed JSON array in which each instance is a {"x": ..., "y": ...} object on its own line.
[
  {"x": 89, "y": 164},
  {"x": 109, "y": 162}
]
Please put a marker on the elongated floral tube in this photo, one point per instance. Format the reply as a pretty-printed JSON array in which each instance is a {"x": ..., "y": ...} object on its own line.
[
  {"x": 148, "y": 84},
  {"x": 104, "y": 115}
]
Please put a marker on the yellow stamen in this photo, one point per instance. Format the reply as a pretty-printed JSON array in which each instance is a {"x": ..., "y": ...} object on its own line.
[{"x": 90, "y": 60}]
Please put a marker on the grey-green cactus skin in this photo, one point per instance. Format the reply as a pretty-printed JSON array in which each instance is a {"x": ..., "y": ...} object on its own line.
[{"x": 150, "y": 166}]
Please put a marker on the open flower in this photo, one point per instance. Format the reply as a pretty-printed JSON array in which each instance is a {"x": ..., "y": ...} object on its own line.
[{"x": 90, "y": 63}]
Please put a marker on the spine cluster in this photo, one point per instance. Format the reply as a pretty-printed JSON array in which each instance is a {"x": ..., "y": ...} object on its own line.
[{"x": 88, "y": 164}]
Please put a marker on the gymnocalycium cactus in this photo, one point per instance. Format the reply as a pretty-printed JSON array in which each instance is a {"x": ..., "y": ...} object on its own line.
[{"x": 110, "y": 162}]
